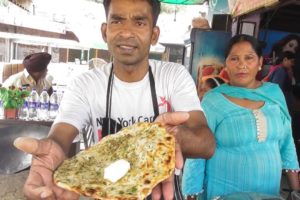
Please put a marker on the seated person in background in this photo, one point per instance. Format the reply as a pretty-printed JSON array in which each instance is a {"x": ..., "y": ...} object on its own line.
[
  {"x": 289, "y": 42},
  {"x": 34, "y": 74},
  {"x": 282, "y": 74},
  {"x": 252, "y": 129},
  {"x": 209, "y": 83}
]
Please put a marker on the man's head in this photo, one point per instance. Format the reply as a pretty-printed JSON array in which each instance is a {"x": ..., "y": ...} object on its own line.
[
  {"x": 286, "y": 59},
  {"x": 36, "y": 64},
  {"x": 155, "y": 4},
  {"x": 130, "y": 30}
]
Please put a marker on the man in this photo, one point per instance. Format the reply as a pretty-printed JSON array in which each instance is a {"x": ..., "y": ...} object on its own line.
[
  {"x": 135, "y": 89},
  {"x": 34, "y": 75},
  {"x": 282, "y": 74}
]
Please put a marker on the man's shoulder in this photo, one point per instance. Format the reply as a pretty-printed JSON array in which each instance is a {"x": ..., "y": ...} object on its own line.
[
  {"x": 101, "y": 71},
  {"x": 280, "y": 69},
  {"x": 166, "y": 67},
  {"x": 13, "y": 79},
  {"x": 162, "y": 64},
  {"x": 17, "y": 75},
  {"x": 279, "y": 72}
]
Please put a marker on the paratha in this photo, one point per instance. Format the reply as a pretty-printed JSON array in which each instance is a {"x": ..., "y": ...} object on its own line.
[{"x": 148, "y": 148}]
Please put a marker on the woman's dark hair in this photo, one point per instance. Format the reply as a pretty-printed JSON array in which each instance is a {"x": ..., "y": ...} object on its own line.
[
  {"x": 277, "y": 47},
  {"x": 244, "y": 38},
  {"x": 155, "y": 4},
  {"x": 287, "y": 54},
  {"x": 214, "y": 81}
]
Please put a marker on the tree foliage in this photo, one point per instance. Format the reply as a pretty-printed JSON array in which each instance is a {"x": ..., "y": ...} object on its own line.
[{"x": 4, "y": 3}]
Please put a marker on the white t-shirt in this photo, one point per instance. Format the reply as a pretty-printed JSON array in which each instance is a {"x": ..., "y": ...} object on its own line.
[{"x": 84, "y": 101}]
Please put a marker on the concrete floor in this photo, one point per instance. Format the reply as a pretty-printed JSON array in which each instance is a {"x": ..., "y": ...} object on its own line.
[{"x": 11, "y": 186}]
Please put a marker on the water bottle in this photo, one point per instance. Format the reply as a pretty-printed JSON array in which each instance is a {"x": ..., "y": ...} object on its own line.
[
  {"x": 43, "y": 113},
  {"x": 1, "y": 110},
  {"x": 33, "y": 105},
  {"x": 54, "y": 104},
  {"x": 60, "y": 97},
  {"x": 24, "y": 111}
]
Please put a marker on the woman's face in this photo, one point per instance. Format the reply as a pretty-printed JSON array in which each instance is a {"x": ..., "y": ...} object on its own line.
[
  {"x": 242, "y": 65},
  {"x": 291, "y": 46}
]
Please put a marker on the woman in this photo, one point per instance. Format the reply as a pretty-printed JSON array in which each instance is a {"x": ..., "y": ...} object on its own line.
[
  {"x": 252, "y": 128},
  {"x": 290, "y": 43}
]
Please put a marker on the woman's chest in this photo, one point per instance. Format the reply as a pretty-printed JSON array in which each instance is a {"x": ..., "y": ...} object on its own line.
[{"x": 242, "y": 127}]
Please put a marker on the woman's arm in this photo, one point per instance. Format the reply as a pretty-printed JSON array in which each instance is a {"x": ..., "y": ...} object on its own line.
[{"x": 293, "y": 179}]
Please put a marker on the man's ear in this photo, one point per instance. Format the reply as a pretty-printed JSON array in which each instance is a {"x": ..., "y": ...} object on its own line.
[
  {"x": 103, "y": 31},
  {"x": 155, "y": 35}
]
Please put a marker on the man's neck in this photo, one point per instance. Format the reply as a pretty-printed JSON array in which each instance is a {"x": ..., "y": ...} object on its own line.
[{"x": 130, "y": 73}]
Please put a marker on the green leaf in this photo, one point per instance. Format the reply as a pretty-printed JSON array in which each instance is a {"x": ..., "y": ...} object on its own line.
[{"x": 13, "y": 97}]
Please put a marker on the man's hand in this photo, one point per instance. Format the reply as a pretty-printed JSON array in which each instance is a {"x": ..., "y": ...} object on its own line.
[
  {"x": 47, "y": 156},
  {"x": 171, "y": 120}
]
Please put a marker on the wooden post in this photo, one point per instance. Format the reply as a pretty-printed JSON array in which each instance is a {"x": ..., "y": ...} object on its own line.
[{"x": 67, "y": 57}]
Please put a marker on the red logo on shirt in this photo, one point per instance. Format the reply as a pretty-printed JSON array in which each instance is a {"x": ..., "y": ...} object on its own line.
[
  {"x": 99, "y": 134},
  {"x": 165, "y": 102}
]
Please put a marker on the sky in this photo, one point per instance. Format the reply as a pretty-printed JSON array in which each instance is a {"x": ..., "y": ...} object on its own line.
[{"x": 86, "y": 18}]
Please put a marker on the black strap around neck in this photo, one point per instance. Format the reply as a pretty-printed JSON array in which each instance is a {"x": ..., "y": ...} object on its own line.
[
  {"x": 109, "y": 93},
  {"x": 153, "y": 94}
]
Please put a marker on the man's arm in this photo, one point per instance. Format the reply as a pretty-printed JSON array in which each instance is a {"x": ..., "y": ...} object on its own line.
[
  {"x": 63, "y": 134},
  {"x": 195, "y": 138}
]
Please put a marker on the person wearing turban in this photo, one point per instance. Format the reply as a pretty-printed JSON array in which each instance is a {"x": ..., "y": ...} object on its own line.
[{"x": 34, "y": 74}]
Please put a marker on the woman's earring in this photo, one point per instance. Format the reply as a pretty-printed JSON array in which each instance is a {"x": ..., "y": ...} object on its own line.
[{"x": 259, "y": 68}]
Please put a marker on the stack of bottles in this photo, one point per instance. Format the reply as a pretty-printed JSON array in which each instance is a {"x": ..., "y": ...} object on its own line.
[
  {"x": 54, "y": 104},
  {"x": 40, "y": 107},
  {"x": 24, "y": 111},
  {"x": 1, "y": 110}
]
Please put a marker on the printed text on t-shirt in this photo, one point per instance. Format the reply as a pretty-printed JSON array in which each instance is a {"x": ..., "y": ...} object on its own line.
[{"x": 127, "y": 122}]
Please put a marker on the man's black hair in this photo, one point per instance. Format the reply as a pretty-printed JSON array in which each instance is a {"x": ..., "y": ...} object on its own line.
[
  {"x": 286, "y": 54},
  {"x": 155, "y": 4}
]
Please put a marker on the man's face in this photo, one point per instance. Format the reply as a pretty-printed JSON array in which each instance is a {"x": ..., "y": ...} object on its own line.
[
  {"x": 129, "y": 31},
  {"x": 39, "y": 75},
  {"x": 288, "y": 63}
]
